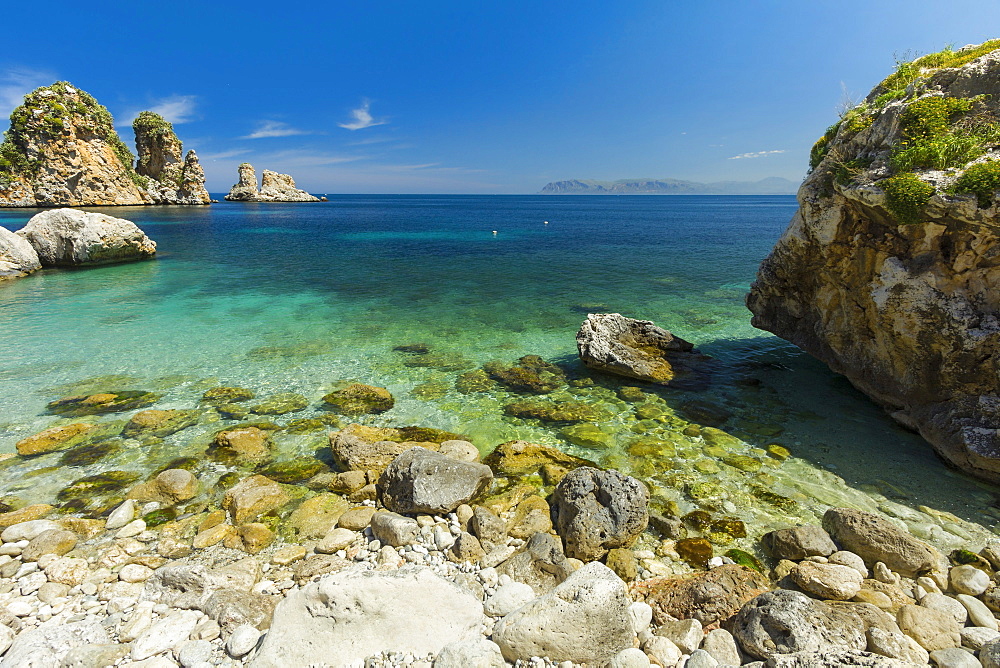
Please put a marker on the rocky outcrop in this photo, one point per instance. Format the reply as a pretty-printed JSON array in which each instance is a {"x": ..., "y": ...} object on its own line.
[
  {"x": 17, "y": 257},
  {"x": 171, "y": 179},
  {"x": 275, "y": 187},
  {"x": 65, "y": 237},
  {"x": 887, "y": 272},
  {"x": 62, "y": 150}
]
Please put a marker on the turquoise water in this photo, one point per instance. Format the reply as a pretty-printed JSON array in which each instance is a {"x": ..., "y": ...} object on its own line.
[{"x": 293, "y": 297}]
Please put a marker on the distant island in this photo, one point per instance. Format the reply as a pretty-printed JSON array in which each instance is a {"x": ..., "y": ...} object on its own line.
[{"x": 772, "y": 185}]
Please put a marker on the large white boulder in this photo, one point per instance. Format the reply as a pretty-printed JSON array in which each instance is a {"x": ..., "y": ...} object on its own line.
[
  {"x": 67, "y": 237},
  {"x": 356, "y": 613},
  {"x": 585, "y": 619}
]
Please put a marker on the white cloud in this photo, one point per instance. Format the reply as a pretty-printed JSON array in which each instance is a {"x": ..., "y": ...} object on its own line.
[
  {"x": 176, "y": 109},
  {"x": 225, "y": 154},
  {"x": 274, "y": 129},
  {"x": 758, "y": 154},
  {"x": 362, "y": 118},
  {"x": 17, "y": 82}
]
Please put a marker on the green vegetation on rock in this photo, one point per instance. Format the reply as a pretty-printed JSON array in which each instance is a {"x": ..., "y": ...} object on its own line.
[
  {"x": 982, "y": 180},
  {"x": 906, "y": 196}
]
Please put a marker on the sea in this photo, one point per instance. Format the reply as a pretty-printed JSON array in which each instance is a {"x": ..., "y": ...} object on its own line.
[{"x": 306, "y": 298}]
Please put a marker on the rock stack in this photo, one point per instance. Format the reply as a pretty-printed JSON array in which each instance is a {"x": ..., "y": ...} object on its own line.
[
  {"x": 275, "y": 187},
  {"x": 171, "y": 179}
]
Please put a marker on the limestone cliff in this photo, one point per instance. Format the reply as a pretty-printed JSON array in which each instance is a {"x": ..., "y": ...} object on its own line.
[
  {"x": 890, "y": 270},
  {"x": 171, "y": 180},
  {"x": 62, "y": 150},
  {"x": 275, "y": 187}
]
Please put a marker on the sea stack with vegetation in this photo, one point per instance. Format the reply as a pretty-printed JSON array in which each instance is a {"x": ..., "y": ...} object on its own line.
[
  {"x": 62, "y": 150},
  {"x": 275, "y": 187},
  {"x": 888, "y": 271}
]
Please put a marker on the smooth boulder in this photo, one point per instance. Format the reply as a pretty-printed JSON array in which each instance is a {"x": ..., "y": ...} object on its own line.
[
  {"x": 585, "y": 619},
  {"x": 17, "y": 257},
  {"x": 423, "y": 481},
  {"x": 596, "y": 511},
  {"x": 67, "y": 237},
  {"x": 353, "y": 614},
  {"x": 874, "y": 539}
]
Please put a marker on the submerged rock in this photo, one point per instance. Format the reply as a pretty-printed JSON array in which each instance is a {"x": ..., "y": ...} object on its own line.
[
  {"x": 54, "y": 438},
  {"x": 279, "y": 404},
  {"x": 531, "y": 375},
  {"x": 360, "y": 399},
  {"x": 554, "y": 411},
  {"x": 104, "y": 402},
  {"x": 227, "y": 395},
  {"x": 517, "y": 458},
  {"x": 612, "y": 343},
  {"x": 159, "y": 423},
  {"x": 67, "y": 237}
]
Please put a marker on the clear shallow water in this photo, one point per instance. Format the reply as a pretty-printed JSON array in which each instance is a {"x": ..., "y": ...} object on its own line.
[{"x": 293, "y": 297}]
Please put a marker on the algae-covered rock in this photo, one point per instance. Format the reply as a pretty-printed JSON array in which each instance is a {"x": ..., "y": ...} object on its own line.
[
  {"x": 254, "y": 497},
  {"x": 248, "y": 444},
  {"x": 360, "y": 399},
  {"x": 518, "y": 458},
  {"x": 531, "y": 375},
  {"x": 439, "y": 361},
  {"x": 89, "y": 453},
  {"x": 360, "y": 448},
  {"x": 294, "y": 470},
  {"x": 695, "y": 551},
  {"x": 473, "y": 381},
  {"x": 745, "y": 559},
  {"x": 54, "y": 438},
  {"x": 552, "y": 411},
  {"x": 612, "y": 343},
  {"x": 104, "y": 402},
  {"x": 279, "y": 404},
  {"x": 168, "y": 487},
  {"x": 316, "y": 516},
  {"x": 310, "y": 425},
  {"x": 159, "y": 423},
  {"x": 98, "y": 485},
  {"x": 589, "y": 435},
  {"x": 227, "y": 395}
]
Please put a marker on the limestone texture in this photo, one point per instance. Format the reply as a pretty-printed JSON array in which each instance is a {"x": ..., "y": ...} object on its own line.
[
  {"x": 904, "y": 305},
  {"x": 875, "y": 539},
  {"x": 66, "y": 237},
  {"x": 275, "y": 187},
  {"x": 17, "y": 257},
  {"x": 424, "y": 481},
  {"x": 639, "y": 349},
  {"x": 171, "y": 179}
]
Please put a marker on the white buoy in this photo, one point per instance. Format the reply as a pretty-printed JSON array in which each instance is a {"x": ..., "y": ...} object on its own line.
[
  {"x": 494, "y": 232},
  {"x": 546, "y": 222}
]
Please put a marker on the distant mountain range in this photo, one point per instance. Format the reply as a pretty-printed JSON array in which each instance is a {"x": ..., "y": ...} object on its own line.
[{"x": 773, "y": 185}]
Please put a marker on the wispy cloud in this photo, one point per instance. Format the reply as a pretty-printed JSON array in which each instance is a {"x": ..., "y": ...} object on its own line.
[
  {"x": 274, "y": 129},
  {"x": 176, "y": 109},
  {"x": 372, "y": 140},
  {"x": 758, "y": 154},
  {"x": 17, "y": 82},
  {"x": 225, "y": 154},
  {"x": 362, "y": 118}
]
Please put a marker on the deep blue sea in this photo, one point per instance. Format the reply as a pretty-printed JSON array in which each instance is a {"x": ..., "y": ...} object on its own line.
[{"x": 303, "y": 297}]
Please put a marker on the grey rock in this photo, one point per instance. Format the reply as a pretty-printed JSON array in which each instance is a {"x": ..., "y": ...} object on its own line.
[
  {"x": 394, "y": 529},
  {"x": 487, "y": 527},
  {"x": 786, "y": 622},
  {"x": 968, "y": 580},
  {"x": 508, "y": 598},
  {"x": 232, "y": 608},
  {"x": 95, "y": 656},
  {"x": 947, "y": 605},
  {"x": 17, "y": 257},
  {"x": 585, "y": 620},
  {"x": 356, "y": 613},
  {"x": 27, "y": 530},
  {"x": 701, "y": 659},
  {"x": 47, "y": 645},
  {"x": 165, "y": 634},
  {"x": 479, "y": 653},
  {"x": 66, "y": 237},
  {"x": 540, "y": 564},
  {"x": 466, "y": 548},
  {"x": 874, "y": 539},
  {"x": 596, "y": 511},
  {"x": 797, "y": 543},
  {"x": 974, "y": 637},
  {"x": 895, "y": 645},
  {"x": 686, "y": 634},
  {"x": 721, "y": 644},
  {"x": 662, "y": 650},
  {"x": 194, "y": 652},
  {"x": 275, "y": 187},
  {"x": 954, "y": 658},
  {"x": 979, "y": 614},
  {"x": 834, "y": 659},
  {"x": 989, "y": 655},
  {"x": 932, "y": 629},
  {"x": 632, "y": 658},
  {"x": 424, "y": 481},
  {"x": 827, "y": 581}
]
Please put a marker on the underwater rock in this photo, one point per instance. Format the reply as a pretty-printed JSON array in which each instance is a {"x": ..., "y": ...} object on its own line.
[
  {"x": 87, "y": 454},
  {"x": 360, "y": 399},
  {"x": 439, "y": 361},
  {"x": 473, "y": 381},
  {"x": 294, "y": 470},
  {"x": 227, "y": 395},
  {"x": 360, "y": 448},
  {"x": 612, "y": 343},
  {"x": 53, "y": 438},
  {"x": 695, "y": 551},
  {"x": 66, "y": 237},
  {"x": 414, "y": 348},
  {"x": 552, "y": 411},
  {"x": 169, "y": 487},
  {"x": 531, "y": 375},
  {"x": 104, "y": 402},
  {"x": 596, "y": 510},
  {"x": 97, "y": 485},
  {"x": 248, "y": 444},
  {"x": 588, "y": 435},
  {"x": 159, "y": 423},
  {"x": 315, "y": 517},
  {"x": 279, "y": 404},
  {"x": 519, "y": 458},
  {"x": 310, "y": 425}
]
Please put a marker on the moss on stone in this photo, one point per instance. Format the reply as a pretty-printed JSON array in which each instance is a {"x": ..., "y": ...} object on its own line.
[
  {"x": 294, "y": 470},
  {"x": 105, "y": 402},
  {"x": 97, "y": 485}
]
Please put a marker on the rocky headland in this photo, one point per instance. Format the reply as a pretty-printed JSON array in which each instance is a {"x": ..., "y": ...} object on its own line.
[
  {"x": 275, "y": 187},
  {"x": 191, "y": 536},
  {"x": 887, "y": 272},
  {"x": 62, "y": 150}
]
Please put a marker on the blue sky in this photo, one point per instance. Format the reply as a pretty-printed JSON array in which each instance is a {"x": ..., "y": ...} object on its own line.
[{"x": 482, "y": 97}]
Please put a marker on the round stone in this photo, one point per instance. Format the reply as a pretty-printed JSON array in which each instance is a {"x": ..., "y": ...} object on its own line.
[
  {"x": 135, "y": 573},
  {"x": 243, "y": 639},
  {"x": 968, "y": 580}
]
